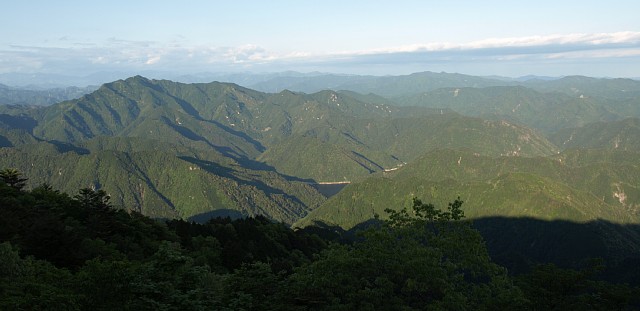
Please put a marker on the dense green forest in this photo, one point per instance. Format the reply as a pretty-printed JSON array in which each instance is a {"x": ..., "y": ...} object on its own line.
[{"x": 76, "y": 252}]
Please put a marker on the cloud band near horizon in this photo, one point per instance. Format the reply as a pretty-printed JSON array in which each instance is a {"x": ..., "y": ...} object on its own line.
[{"x": 83, "y": 58}]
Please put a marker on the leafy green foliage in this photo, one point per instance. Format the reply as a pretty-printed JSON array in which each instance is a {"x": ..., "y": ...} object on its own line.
[
  {"x": 426, "y": 211},
  {"x": 89, "y": 198},
  {"x": 81, "y": 255},
  {"x": 550, "y": 288},
  {"x": 423, "y": 259},
  {"x": 58, "y": 253},
  {"x": 11, "y": 177},
  {"x": 28, "y": 284}
]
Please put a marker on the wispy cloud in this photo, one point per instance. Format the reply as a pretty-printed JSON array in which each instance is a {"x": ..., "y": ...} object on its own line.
[
  {"x": 116, "y": 54},
  {"x": 521, "y": 45}
]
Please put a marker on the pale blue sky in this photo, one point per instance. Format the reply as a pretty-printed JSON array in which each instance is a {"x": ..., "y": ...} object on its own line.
[{"x": 513, "y": 38}]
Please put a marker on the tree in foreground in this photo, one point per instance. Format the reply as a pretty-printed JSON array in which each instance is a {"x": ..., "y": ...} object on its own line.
[
  {"x": 420, "y": 259},
  {"x": 13, "y": 178},
  {"x": 90, "y": 198}
]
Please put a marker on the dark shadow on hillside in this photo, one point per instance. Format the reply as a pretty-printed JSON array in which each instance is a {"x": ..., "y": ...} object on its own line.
[
  {"x": 96, "y": 118},
  {"x": 359, "y": 158},
  {"x": 63, "y": 147},
  {"x": 353, "y": 138},
  {"x": 211, "y": 167},
  {"x": 4, "y": 142},
  {"x": 244, "y": 163},
  {"x": 224, "y": 150},
  {"x": 261, "y": 166},
  {"x": 255, "y": 165},
  {"x": 328, "y": 190},
  {"x": 521, "y": 243},
  {"x": 516, "y": 243},
  {"x": 189, "y": 109},
  {"x": 221, "y": 213},
  {"x": 242, "y": 178},
  {"x": 18, "y": 122},
  {"x": 191, "y": 135},
  {"x": 256, "y": 144}
]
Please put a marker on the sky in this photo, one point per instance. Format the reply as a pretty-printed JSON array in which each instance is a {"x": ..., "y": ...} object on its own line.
[{"x": 507, "y": 38}]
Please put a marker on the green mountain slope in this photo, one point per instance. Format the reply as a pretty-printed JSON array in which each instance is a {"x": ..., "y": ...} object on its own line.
[
  {"x": 164, "y": 184},
  {"x": 378, "y": 144},
  {"x": 147, "y": 131},
  {"x": 351, "y": 133},
  {"x": 544, "y": 188},
  {"x": 621, "y": 135},
  {"x": 145, "y": 108},
  {"x": 547, "y": 105}
]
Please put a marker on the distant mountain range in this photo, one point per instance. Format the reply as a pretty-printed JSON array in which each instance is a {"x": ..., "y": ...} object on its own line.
[
  {"x": 198, "y": 150},
  {"x": 40, "y": 97}
]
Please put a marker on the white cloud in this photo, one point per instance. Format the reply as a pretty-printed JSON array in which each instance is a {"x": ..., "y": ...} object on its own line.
[
  {"x": 596, "y": 54},
  {"x": 116, "y": 54},
  {"x": 153, "y": 60},
  {"x": 627, "y": 37}
]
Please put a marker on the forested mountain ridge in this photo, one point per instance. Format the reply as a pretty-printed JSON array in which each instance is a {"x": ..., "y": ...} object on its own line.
[
  {"x": 576, "y": 185},
  {"x": 619, "y": 135},
  {"x": 388, "y": 86},
  {"x": 547, "y": 112},
  {"x": 242, "y": 123},
  {"x": 547, "y": 105},
  {"x": 162, "y": 183},
  {"x": 253, "y": 153},
  {"x": 581, "y": 86}
]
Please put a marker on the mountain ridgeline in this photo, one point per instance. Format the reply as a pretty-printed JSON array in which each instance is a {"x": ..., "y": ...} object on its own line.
[
  {"x": 154, "y": 194},
  {"x": 201, "y": 150}
]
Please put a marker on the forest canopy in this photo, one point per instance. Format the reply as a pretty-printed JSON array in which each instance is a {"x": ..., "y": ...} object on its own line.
[{"x": 77, "y": 252}]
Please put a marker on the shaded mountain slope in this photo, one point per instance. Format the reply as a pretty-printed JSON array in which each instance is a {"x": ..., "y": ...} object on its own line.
[{"x": 164, "y": 184}]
